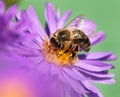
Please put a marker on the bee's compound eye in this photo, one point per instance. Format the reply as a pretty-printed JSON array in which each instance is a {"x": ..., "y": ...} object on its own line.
[
  {"x": 54, "y": 42},
  {"x": 63, "y": 35}
]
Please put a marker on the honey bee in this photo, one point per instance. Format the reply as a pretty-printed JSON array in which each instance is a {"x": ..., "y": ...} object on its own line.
[{"x": 71, "y": 38}]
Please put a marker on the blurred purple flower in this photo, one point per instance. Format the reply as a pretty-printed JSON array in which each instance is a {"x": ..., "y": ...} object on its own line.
[
  {"x": 76, "y": 79},
  {"x": 19, "y": 78},
  {"x": 11, "y": 30}
]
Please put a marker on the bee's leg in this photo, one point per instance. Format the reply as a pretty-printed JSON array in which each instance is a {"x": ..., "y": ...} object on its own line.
[
  {"x": 62, "y": 46},
  {"x": 76, "y": 49},
  {"x": 74, "y": 53},
  {"x": 68, "y": 48},
  {"x": 73, "y": 48}
]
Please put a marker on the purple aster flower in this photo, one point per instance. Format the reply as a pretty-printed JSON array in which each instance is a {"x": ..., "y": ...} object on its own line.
[{"x": 73, "y": 76}]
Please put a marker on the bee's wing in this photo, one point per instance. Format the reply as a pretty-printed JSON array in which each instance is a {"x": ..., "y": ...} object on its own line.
[{"x": 75, "y": 22}]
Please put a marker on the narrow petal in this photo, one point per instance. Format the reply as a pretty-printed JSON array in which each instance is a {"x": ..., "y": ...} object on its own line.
[
  {"x": 107, "y": 81},
  {"x": 28, "y": 43},
  {"x": 50, "y": 17},
  {"x": 44, "y": 67},
  {"x": 111, "y": 57},
  {"x": 2, "y": 7},
  {"x": 74, "y": 74},
  {"x": 11, "y": 12},
  {"x": 92, "y": 95},
  {"x": 87, "y": 26},
  {"x": 97, "y": 38},
  {"x": 74, "y": 84},
  {"x": 98, "y": 77},
  {"x": 97, "y": 56},
  {"x": 75, "y": 94},
  {"x": 92, "y": 88},
  {"x": 26, "y": 30},
  {"x": 98, "y": 63},
  {"x": 54, "y": 71},
  {"x": 24, "y": 51},
  {"x": 31, "y": 28},
  {"x": 63, "y": 19},
  {"x": 35, "y": 59},
  {"x": 36, "y": 26},
  {"x": 58, "y": 14},
  {"x": 22, "y": 17},
  {"x": 93, "y": 65}
]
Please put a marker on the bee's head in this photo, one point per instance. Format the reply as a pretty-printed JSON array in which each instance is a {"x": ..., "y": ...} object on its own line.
[{"x": 55, "y": 43}]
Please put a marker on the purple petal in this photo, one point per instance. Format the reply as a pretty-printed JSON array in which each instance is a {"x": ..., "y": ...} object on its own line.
[
  {"x": 92, "y": 88},
  {"x": 36, "y": 26},
  {"x": 97, "y": 38},
  {"x": 25, "y": 30},
  {"x": 98, "y": 56},
  {"x": 97, "y": 74},
  {"x": 63, "y": 19},
  {"x": 31, "y": 25},
  {"x": 93, "y": 65},
  {"x": 74, "y": 84},
  {"x": 21, "y": 19},
  {"x": 2, "y": 7},
  {"x": 111, "y": 57},
  {"x": 75, "y": 94},
  {"x": 58, "y": 14},
  {"x": 98, "y": 77},
  {"x": 35, "y": 59},
  {"x": 74, "y": 74},
  {"x": 34, "y": 46},
  {"x": 44, "y": 67},
  {"x": 107, "y": 81},
  {"x": 87, "y": 26},
  {"x": 54, "y": 71},
  {"x": 11, "y": 12},
  {"x": 92, "y": 95},
  {"x": 50, "y": 17},
  {"x": 24, "y": 51}
]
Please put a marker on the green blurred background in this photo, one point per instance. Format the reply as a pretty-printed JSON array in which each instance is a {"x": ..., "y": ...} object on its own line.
[{"x": 106, "y": 14}]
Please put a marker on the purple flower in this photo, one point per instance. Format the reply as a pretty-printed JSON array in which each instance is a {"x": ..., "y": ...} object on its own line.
[
  {"x": 11, "y": 30},
  {"x": 73, "y": 78}
]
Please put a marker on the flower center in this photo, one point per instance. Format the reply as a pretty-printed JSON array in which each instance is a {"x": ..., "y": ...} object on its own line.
[{"x": 58, "y": 56}]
